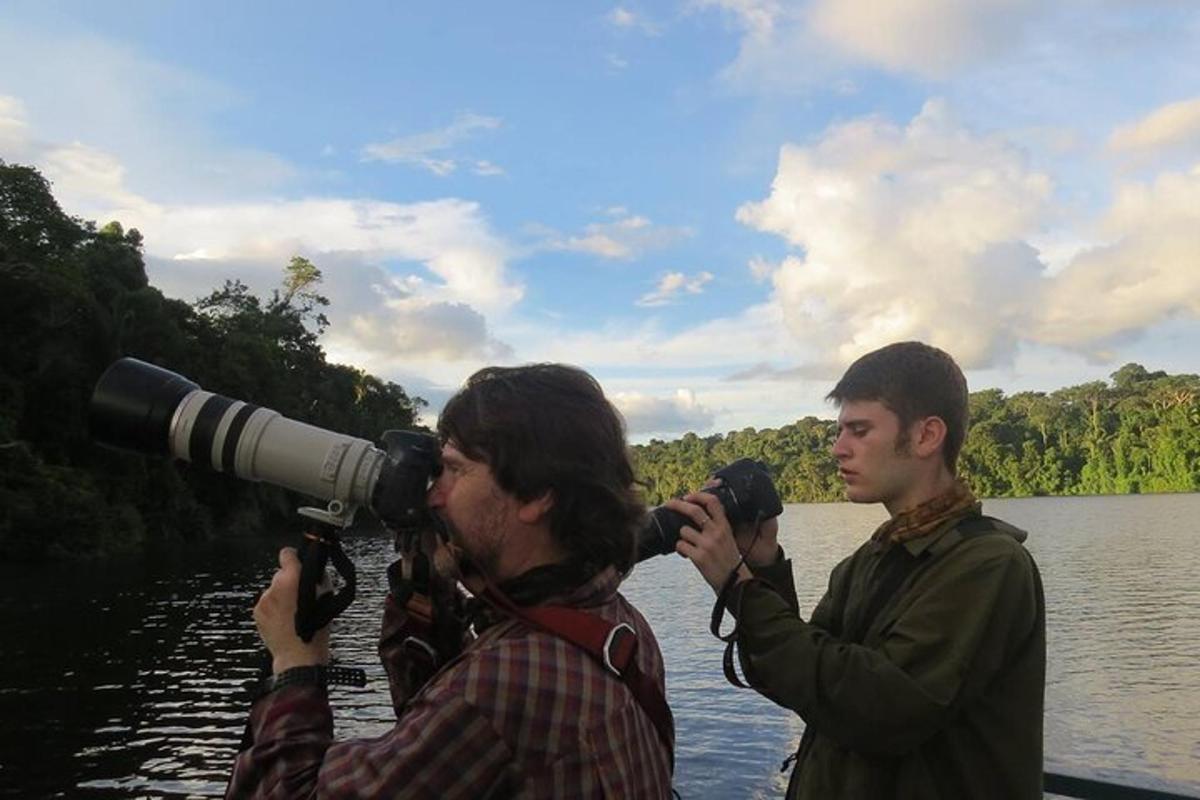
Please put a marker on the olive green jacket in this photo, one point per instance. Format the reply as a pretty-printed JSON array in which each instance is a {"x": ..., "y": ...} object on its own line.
[{"x": 937, "y": 694}]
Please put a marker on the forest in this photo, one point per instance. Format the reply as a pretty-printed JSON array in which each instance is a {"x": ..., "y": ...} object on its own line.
[{"x": 75, "y": 297}]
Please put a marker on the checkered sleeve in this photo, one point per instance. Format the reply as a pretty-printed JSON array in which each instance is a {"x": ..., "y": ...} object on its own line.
[
  {"x": 442, "y": 749},
  {"x": 292, "y": 728}
]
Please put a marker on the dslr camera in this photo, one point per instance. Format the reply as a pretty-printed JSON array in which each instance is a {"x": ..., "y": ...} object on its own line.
[{"x": 746, "y": 492}]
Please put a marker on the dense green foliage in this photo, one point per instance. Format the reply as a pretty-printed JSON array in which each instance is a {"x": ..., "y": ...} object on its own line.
[
  {"x": 1139, "y": 433},
  {"x": 74, "y": 299}
]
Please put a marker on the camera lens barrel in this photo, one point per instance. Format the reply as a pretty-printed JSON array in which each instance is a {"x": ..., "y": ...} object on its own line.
[{"x": 139, "y": 406}]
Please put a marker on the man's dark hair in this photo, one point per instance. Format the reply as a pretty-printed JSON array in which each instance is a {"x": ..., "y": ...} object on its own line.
[
  {"x": 548, "y": 427},
  {"x": 914, "y": 380}
]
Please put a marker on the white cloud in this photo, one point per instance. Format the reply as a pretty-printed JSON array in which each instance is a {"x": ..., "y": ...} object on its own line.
[
  {"x": 419, "y": 149},
  {"x": 677, "y": 414},
  {"x": 626, "y": 19},
  {"x": 1147, "y": 271},
  {"x": 929, "y": 38},
  {"x": 933, "y": 38},
  {"x": 760, "y": 269},
  {"x": 414, "y": 329},
  {"x": 628, "y": 236},
  {"x": 90, "y": 177},
  {"x": 672, "y": 284},
  {"x": 908, "y": 233},
  {"x": 924, "y": 232},
  {"x": 616, "y": 62},
  {"x": 447, "y": 237},
  {"x": 487, "y": 169},
  {"x": 1170, "y": 129}
]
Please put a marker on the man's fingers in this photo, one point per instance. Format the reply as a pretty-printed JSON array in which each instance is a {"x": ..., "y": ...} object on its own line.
[
  {"x": 288, "y": 558},
  {"x": 289, "y": 567},
  {"x": 691, "y": 510},
  {"x": 709, "y": 502}
]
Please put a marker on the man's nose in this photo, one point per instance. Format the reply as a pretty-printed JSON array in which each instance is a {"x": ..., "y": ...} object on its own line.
[
  {"x": 839, "y": 448},
  {"x": 436, "y": 496}
]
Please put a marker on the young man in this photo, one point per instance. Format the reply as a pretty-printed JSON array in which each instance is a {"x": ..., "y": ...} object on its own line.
[
  {"x": 921, "y": 672},
  {"x": 538, "y": 503}
]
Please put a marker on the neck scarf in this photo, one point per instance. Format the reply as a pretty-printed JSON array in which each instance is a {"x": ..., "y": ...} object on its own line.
[{"x": 928, "y": 516}]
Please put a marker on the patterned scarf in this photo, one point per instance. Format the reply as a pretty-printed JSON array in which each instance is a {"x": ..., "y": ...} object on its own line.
[{"x": 927, "y": 517}]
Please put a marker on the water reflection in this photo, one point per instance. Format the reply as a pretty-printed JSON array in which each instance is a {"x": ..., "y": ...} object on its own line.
[{"x": 124, "y": 679}]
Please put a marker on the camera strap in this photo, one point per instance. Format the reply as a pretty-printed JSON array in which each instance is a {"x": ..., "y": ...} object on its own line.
[
  {"x": 722, "y": 603},
  {"x": 314, "y": 611},
  {"x": 613, "y": 644}
]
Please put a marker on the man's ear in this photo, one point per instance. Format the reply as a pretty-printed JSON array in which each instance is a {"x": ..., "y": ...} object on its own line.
[
  {"x": 929, "y": 436},
  {"x": 535, "y": 510}
]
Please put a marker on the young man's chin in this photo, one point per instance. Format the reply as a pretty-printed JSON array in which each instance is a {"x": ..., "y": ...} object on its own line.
[{"x": 859, "y": 494}]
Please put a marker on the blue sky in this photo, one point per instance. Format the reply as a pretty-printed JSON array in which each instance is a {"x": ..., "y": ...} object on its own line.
[{"x": 713, "y": 205}]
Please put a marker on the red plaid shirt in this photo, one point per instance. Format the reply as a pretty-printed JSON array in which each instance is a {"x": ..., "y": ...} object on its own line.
[{"x": 520, "y": 713}]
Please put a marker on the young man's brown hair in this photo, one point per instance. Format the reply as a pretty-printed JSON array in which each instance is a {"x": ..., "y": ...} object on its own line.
[{"x": 914, "y": 380}]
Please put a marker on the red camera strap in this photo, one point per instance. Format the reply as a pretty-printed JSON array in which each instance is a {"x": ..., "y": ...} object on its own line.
[{"x": 612, "y": 644}]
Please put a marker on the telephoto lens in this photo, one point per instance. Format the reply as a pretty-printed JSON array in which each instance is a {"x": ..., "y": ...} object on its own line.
[
  {"x": 143, "y": 407},
  {"x": 746, "y": 492}
]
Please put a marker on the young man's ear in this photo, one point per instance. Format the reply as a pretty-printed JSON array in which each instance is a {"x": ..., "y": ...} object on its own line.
[
  {"x": 929, "y": 437},
  {"x": 534, "y": 511}
]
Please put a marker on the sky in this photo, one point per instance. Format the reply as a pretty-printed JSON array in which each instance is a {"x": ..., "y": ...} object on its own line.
[{"x": 714, "y": 206}]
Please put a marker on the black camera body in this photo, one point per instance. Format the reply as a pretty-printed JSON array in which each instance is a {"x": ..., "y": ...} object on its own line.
[{"x": 746, "y": 492}]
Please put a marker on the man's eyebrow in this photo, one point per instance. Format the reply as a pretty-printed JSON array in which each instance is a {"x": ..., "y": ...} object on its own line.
[{"x": 846, "y": 423}]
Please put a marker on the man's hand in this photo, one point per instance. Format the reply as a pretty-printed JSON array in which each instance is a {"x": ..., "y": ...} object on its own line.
[
  {"x": 761, "y": 550},
  {"x": 708, "y": 542},
  {"x": 275, "y": 616}
]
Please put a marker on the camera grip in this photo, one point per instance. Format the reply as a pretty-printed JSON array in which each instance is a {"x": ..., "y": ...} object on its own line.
[{"x": 315, "y": 610}]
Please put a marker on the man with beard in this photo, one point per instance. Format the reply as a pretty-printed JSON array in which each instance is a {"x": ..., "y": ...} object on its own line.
[
  {"x": 921, "y": 672},
  {"x": 559, "y": 689}
]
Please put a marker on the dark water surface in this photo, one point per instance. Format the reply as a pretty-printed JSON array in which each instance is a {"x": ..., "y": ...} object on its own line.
[{"x": 123, "y": 679}]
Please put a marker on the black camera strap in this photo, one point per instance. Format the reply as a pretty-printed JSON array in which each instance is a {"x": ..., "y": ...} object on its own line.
[
  {"x": 314, "y": 611},
  {"x": 722, "y": 604}
]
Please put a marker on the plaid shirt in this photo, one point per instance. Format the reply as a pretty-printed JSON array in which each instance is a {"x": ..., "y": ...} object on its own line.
[{"x": 520, "y": 713}]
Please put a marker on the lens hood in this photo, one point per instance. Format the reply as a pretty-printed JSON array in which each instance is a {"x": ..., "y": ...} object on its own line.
[{"x": 133, "y": 403}]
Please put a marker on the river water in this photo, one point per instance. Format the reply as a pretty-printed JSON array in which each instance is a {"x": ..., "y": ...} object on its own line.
[{"x": 122, "y": 679}]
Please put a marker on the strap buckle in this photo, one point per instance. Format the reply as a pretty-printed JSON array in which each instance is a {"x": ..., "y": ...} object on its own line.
[
  {"x": 611, "y": 651},
  {"x": 413, "y": 644}
]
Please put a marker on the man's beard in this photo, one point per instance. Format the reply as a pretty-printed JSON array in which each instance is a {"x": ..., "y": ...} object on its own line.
[{"x": 452, "y": 561}]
